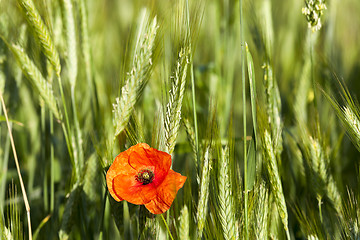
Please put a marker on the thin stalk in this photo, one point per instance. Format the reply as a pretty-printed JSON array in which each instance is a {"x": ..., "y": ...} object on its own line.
[
  {"x": 43, "y": 134},
  {"x": 167, "y": 227},
  {"x": 52, "y": 166},
  {"x": 27, "y": 205},
  {"x": 192, "y": 81},
  {"x": 66, "y": 129},
  {"x": 67, "y": 141},
  {"x": 244, "y": 117},
  {"x": 320, "y": 212},
  {"x": 288, "y": 234}
]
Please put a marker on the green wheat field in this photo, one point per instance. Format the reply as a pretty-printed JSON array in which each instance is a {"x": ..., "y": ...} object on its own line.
[{"x": 256, "y": 101}]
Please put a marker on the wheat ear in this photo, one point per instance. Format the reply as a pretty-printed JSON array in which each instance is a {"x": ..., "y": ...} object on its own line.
[
  {"x": 71, "y": 58},
  {"x": 275, "y": 180},
  {"x": 34, "y": 19},
  {"x": 184, "y": 223},
  {"x": 225, "y": 197},
  {"x": 353, "y": 124},
  {"x": 204, "y": 194},
  {"x": 176, "y": 95},
  {"x": 138, "y": 75},
  {"x": 36, "y": 79}
]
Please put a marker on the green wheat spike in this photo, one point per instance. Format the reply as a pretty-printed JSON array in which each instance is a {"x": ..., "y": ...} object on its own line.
[
  {"x": 34, "y": 19},
  {"x": 36, "y": 79},
  {"x": 225, "y": 197},
  {"x": 184, "y": 226},
  {"x": 261, "y": 213},
  {"x": 204, "y": 194},
  {"x": 176, "y": 95},
  {"x": 275, "y": 180},
  {"x": 138, "y": 76},
  {"x": 69, "y": 23}
]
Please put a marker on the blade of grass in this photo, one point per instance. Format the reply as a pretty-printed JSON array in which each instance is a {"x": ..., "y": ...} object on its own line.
[
  {"x": 167, "y": 227},
  {"x": 252, "y": 83},
  {"x": 42, "y": 223},
  {"x": 251, "y": 158}
]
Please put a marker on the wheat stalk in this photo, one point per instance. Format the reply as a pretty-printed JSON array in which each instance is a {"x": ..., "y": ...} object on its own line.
[
  {"x": 72, "y": 63},
  {"x": 353, "y": 124},
  {"x": 176, "y": 95},
  {"x": 312, "y": 237},
  {"x": 319, "y": 167},
  {"x": 259, "y": 212},
  {"x": 204, "y": 194},
  {"x": 273, "y": 108},
  {"x": 85, "y": 44},
  {"x": 275, "y": 180},
  {"x": 225, "y": 197},
  {"x": 184, "y": 223},
  {"x": 36, "y": 79},
  {"x": 137, "y": 77},
  {"x": 42, "y": 33},
  {"x": 348, "y": 114}
]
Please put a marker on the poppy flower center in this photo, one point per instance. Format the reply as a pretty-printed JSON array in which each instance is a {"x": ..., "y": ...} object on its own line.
[{"x": 145, "y": 176}]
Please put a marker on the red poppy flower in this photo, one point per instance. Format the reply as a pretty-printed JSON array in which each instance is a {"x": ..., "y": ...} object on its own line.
[{"x": 141, "y": 175}]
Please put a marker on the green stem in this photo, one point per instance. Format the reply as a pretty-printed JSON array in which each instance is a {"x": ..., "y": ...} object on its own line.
[
  {"x": 52, "y": 171},
  {"x": 288, "y": 234},
  {"x": 68, "y": 144},
  {"x": 167, "y": 227},
  {"x": 66, "y": 129},
  {"x": 320, "y": 212},
  {"x": 43, "y": 134},
  {"x": 244, "y": 117}
]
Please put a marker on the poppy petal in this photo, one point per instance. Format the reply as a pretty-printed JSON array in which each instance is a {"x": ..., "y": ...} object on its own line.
[
  {"x": 144, "y": 158},
  {"x": 132, "y": 190},
  {"x": 166, "y": 193},
  {"x": 119, "y": 166},
  {"x": 137, "y": 146}
]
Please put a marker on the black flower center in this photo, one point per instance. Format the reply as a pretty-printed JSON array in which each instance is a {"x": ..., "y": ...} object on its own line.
[{"x": 145, "y": 176}]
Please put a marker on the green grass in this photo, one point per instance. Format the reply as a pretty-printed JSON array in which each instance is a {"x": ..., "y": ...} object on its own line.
[{"x": 256, "y": 101}]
